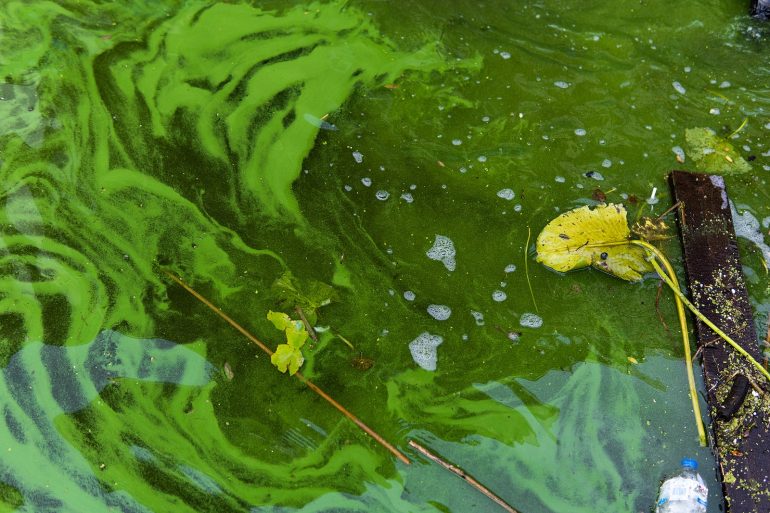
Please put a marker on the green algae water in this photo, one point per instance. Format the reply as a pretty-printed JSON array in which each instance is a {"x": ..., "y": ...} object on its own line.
[{"x": 405, "y": 153}]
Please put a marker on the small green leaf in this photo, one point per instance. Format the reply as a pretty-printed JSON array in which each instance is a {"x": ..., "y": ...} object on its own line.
[
  {"x": 287, "y": 357},
  {"x": 584, "y": 237},
  {"x": 309, "y": 298},
  {"x": 279, "y": 319},
  {"x": 712, "y": 153},
  {"x": 296, "y": 335}
]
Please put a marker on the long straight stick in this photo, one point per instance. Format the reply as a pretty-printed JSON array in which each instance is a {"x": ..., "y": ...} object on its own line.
[
  {"x": 463, "y": 475},
  {"x": 312, "y": 386}
]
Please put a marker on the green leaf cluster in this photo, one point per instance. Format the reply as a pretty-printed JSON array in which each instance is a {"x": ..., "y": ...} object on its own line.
[
  {"x": 712, "y": 153},
  {"x": 288, "y": 356},
  {"x": 309, "y": 297}
]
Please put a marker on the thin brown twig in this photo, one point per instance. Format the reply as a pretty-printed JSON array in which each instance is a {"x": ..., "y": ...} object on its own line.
[
  {"x": 312, "y": 386},
  {"x": 657, "y": 306},
  {"x": 463, "y": 475},
  {"x": 308, "y": 327},
  {"x": 670, "y": 209}
]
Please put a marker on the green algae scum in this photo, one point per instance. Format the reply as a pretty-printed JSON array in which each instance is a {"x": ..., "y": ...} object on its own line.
[{"x": 374, "y": 170}]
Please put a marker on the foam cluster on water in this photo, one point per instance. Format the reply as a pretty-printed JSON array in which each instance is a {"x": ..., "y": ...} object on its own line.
[
  {"x": 443, "y": 250},
  {"x": 424, "y": 352},
  {"x": 478, "y": 317},
  {"x": 747, "y": 226},
  {"x": 439, "y": 312},
  {"x": 530, "y": 320}
]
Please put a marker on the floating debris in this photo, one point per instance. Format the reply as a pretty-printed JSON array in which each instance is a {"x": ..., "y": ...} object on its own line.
[
  {"x": 229, "y": 374},
  {"x": 679, "y": 152},
  {"x": 319, "y": 122}
]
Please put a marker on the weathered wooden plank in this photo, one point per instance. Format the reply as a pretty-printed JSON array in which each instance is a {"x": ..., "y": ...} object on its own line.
[{"x": 740, "y": 426}]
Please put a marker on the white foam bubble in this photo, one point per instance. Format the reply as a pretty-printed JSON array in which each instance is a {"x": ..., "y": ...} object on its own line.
[
  {"x": 505, "y": 55},
  {"x": 747, "y": 226},
  {"x": 560, "y": 179},
  {"x": 510, "y": 268},
  {"x": 382, "y": 195},
  {"x": 439, "y": 312},
  {"x": 366, "y": 181},
  {"x": 443, "y": 250},
  {"x": 409, "y": 295},
  {"x": 596, "y": 175},
  {"x": 561, "y": 84},
  {"x": 679, "y": 88},
  {"x": 679, "y": 152},
  {"x": 530, "y": 320},
  {"x": 499, "y": 296},
  {"x": 423, "y": 350},
  {"x": 606, "y": 163},
  {"x": 358, "y": 156},
  {"x": 580, "y": 132},
  {"x": 457, "y": 142},
  {"x": 719, "y": 183},
  {"x": 407, "y": 196},
  {"x": 506, "y": 194},
  {"x": 479, "y": 317}
]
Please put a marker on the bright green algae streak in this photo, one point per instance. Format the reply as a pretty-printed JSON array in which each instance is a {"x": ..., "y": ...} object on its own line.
[{"x": 185, "y": 135}]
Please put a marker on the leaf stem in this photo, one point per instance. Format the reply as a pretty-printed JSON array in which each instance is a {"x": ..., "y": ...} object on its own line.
[
  {"x": 670, "y": 278},
  {"x": 724, "y": 336},
  {"x": 526, "y": 268},
  {"x": 312, "y": 386}
]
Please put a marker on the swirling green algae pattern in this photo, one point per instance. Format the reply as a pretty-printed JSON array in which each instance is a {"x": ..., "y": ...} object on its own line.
[
  {"x": 110, "y": 103},
  {"x": 134, "y": 134}
]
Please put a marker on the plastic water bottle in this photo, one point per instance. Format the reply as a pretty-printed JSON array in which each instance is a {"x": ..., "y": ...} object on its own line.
[{"x": 685, "y": 492}]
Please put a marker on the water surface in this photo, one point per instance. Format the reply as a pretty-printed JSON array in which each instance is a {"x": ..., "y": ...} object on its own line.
[{"x": 402, "y": 152}]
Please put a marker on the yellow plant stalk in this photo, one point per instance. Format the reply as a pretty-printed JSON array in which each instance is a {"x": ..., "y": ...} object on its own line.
[
  {"x": 670, "y": 278},
  {"x": 724, "y": 336}
]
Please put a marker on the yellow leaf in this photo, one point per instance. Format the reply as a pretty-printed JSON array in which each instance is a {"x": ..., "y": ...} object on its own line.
[
  {"x": 287, "y": 357},
  {"x": 633, "y": 360},
  {"x": 592, "y": 237}
]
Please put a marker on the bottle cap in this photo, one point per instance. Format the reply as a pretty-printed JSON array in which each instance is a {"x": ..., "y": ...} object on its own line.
[{"x": 689, "y": 464}]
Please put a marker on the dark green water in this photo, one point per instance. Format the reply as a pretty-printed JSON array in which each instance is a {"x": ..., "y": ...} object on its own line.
[{"x": 187, "y": 136}]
